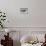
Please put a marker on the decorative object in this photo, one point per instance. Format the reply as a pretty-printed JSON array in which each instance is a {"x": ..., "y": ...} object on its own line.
[
  {"x": 44, "y": 44},
  {"x": 8, "y": 40},
  {"x": 7, "y": 30},
  {"x": 2, "y": 19},
  {"x": 24, "y": 10}
]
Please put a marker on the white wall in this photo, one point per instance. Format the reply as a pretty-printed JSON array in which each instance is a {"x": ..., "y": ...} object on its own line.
[
  {"x": 12, "y": 8},
  {"x": 36, "y": 17},
  {"x": 38, "y": 13}
]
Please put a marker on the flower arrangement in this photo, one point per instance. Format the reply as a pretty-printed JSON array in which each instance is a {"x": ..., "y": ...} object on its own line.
[{"x": 2, "y": 19}]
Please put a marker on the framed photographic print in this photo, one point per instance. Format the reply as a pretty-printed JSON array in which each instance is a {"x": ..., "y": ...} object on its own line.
[{"x": 24, "y": 10}]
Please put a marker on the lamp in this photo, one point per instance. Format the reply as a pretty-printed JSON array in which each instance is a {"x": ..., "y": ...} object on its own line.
[{"x": 7, "y": 31}]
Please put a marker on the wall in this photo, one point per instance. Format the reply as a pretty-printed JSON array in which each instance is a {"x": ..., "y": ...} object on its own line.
[
  {"x": 12, "y": 7},
  {"x": 36, "y": 17},
  {"x": 38, "y": 13}
]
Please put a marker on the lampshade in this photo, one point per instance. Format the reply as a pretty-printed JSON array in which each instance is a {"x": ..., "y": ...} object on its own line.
[{"x": 7, "y": 30}]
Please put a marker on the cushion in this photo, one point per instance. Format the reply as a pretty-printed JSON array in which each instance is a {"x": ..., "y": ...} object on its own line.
[{"x": 26, "y": 39}]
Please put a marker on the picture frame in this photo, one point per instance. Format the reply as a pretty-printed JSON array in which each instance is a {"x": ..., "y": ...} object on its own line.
[{"x": 24, "y": 10}]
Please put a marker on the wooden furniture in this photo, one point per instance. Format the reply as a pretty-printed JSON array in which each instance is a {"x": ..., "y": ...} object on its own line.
[
  {"x": 8, "y": 41},
  {"x": 44, "y": 44}
]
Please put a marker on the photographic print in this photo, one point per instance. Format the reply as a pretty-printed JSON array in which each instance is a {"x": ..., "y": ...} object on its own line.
[{"x": 24, "y": 10}]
